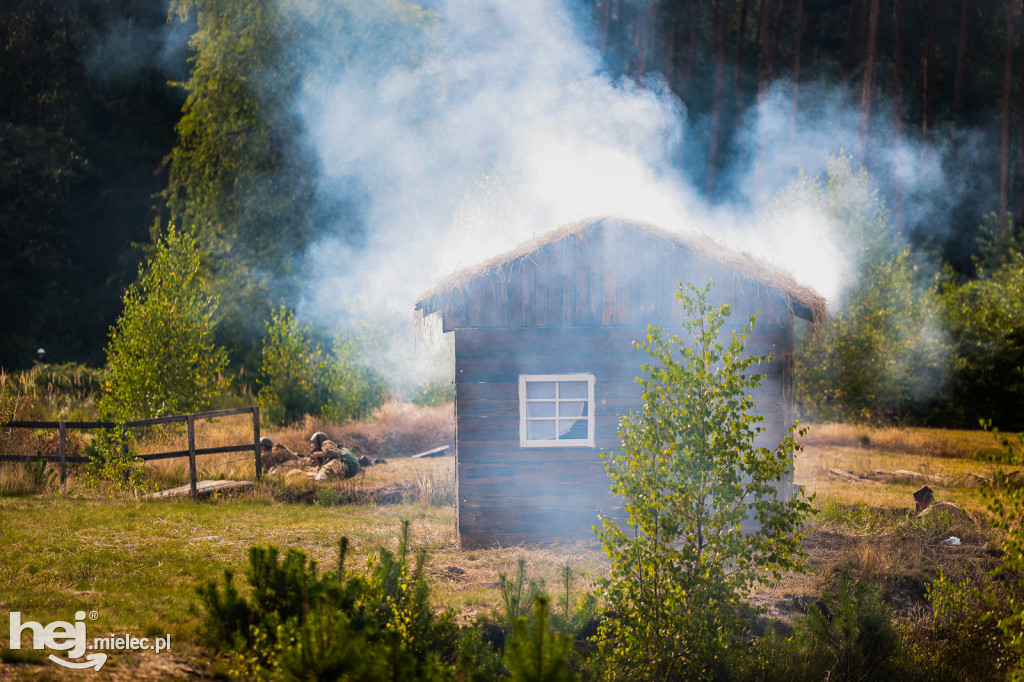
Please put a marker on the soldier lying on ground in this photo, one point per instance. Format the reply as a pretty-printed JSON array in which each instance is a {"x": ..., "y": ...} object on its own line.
[
  {"x": 323, "y": 450},
  {"x": 275, "y": 454}
]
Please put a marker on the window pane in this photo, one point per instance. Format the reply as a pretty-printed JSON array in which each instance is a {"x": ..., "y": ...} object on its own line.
[
  {"x": 573, "y": 409},
  {"x": 540, "y": 430},
  {"x": 540, "y": 389},
  {"x": 572, "y": 389},
  {"x": 575, "y": 430},
  {"x": 541, "y": 409}
]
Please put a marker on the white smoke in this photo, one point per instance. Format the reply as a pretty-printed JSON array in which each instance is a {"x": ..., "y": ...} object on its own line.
[{"x": 510, "y": 127}]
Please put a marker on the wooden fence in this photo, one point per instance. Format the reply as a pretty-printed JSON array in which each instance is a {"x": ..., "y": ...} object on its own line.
[{"x": 63, "y": 459}]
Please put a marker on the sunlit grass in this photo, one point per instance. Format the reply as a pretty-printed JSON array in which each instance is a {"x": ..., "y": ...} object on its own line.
[
  {"x": 137, "y": 562},
  {"x": 950, "y": 478},
  {"x": 908, "y": 440}
]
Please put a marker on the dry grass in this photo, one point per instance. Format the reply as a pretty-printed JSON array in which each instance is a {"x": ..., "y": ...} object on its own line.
[
  {"x": 395, "y": 431},
  {"x": 398, "y": 429},
  {"x": 868, "y": 527},
  {"x": 951, "y": 478},
  {"x": 19, "y": 479},
  {"x": 915, "y": 441},
  {"x": 51, "y": 392}
]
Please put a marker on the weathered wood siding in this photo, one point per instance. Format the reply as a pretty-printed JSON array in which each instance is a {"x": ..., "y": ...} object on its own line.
[
  {"x": 577, "y": 306},
  {"x": 508, "y": 494}
]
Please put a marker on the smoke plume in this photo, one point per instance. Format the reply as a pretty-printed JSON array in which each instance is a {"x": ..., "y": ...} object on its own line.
[{"x": 499, "y": 122}]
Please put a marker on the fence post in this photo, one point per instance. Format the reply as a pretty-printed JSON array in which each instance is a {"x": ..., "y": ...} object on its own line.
[
  {"x": 62, "y": 430},
  {"x": 124, "y": 443},
  {"x": 256, "y": 442},
  {"x": 191, "y": 453}
]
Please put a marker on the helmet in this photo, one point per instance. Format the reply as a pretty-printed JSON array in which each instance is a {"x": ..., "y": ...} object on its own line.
[
  {"x": 318, "y": 438},
  {"x": 266, "y": 442}
]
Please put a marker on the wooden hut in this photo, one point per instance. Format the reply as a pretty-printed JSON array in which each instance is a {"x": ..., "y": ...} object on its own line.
[{"x": 545, "y": 363}]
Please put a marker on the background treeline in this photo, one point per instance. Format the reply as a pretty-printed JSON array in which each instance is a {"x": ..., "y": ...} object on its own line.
[{"x": 119, "y": 118}]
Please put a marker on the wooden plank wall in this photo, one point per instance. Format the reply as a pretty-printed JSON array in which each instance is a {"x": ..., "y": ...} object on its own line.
[
  {"x": 578, "y": 305},
  {"x": 508, "y": 494}
]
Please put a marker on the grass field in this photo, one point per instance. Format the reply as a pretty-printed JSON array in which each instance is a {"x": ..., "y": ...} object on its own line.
[{"x": 136, "y": 563}]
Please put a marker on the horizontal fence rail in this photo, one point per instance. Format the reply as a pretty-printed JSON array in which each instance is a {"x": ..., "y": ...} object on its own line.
[{"x": 188, "y": 419}]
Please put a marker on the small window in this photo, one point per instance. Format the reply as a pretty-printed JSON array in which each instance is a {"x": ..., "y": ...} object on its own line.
[{"x": 556, "y": 410}]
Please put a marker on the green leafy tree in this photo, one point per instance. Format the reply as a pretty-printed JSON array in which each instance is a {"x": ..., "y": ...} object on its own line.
[
  {"x": 239, "y": 172},
  {"x": 162, "y": 358},
  {"x": 691, "y": 478},
  {"x": 289, "y": 370},
  {"x": 299, "y": 378},
  {"x": 355, "y": 388},
  {"x": 242, "y": 171},
  {"x": 1007, "y": 510},
  {"x": 985, "y": 317},
  {"x": 884, "y": 356}
]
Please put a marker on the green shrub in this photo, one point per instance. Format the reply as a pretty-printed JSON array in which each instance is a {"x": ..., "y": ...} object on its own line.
[
  {"x": 573, "y": 619},
  {"x": 38, "y": 475},
  {"x": 298, "y": 623},
  {"x": 328, "y": 497},
  {"x": 850, "y": 637},
  {"x": 289, "y": 371},
  {"x": 960, "y": 639},
  {"x": 70, "y": 378},
  {"x": 690, "y": 477},
  {"x": 518, "y": 595},
  {"x": 986, "y": 319},
  {"x": 535, "y": 654},
  {"x": 29, "y": 477},
  {"x": 883, "y": 357},
  {"x": 114, "y": 462},
  {"x": 847, "y": 637}
]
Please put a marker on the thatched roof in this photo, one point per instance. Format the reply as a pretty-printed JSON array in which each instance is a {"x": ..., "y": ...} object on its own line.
[{"x": 802, "y": 300}]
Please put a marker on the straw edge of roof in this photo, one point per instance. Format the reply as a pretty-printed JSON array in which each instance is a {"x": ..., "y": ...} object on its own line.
[{"x": 742, "y": 262}]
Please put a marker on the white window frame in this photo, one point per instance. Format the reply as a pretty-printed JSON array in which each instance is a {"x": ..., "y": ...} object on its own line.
[{"x": 556, "y": 442}]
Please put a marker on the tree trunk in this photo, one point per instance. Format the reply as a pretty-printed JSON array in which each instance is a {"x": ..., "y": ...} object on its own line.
[
  {"x": 645, "y": 39},
  {"x": 688, "y": 52},
  {"x": 1020, "y": 123},
  {"x": 721, "y": 31},
  {"x": 961, "y": 60},
  {"x": 797, "y": 48},
  {"x": 605, "y": 14},
  {"x": 898, "y": 20},
  {"x": 1004, "y": 157},
  {"x": 867, "y": 83},
  {"x": 741, "y": 39},
  {"x": 771, "y": 11},
  {"x": 854, "y": 37},
  {"x": 929, "y": 70},
  {"x": 670, "y": 54}
]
